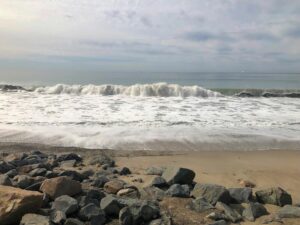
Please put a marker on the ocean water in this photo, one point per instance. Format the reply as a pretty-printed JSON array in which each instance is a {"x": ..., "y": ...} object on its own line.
[{"x": 180, "y": 114}]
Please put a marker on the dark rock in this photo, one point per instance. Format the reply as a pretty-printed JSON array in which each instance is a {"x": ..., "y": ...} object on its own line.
[
  {"x": 50, "y": 174},
  {"x": 72, "y": 221},
  {"x": 100, "y": 181},
  {"x": 94, "y": 193},
  {"x": 152, "y": 193},
  {"x": 4, "y": 180},
  {"x": 58, "y": 217},
  {"x": 253, "y": 211},
  {"x": 66, "y": 204},
  {"x": 35, "y": 219},
  {"x": 212, "y": 193},
  {"x": 84, "y": 200},
  {"x": 159, "y": 182},
  {"x": 111, "y": 206},
  {"x": 176, "y": 175},
  {"x": 177, "y": 190},
  {"x": 220, "y": 222},
  {"x": 92, "y": 213},
  {"x": 154, "y": 171},
  {"x": 113, "y": 186},
  {"x": 244, "y": 94},
  {"x": 103, "y": 159},
  {"x": 59, "y": 186},
  {"x": 124, "y": 171},
  {"x": 74, "y": 175},
  {"x": 38, "y": 172},
  {"x": 5, "y": 167},
  {"x": 240, "y": 195},
  {"x": 289, "y": 211},
  {"x": 69, "y": 156},
  {"x": 274, "y": 196},
  {"x": 12, "y": 173},
  {"x": 23, "y": 181},
  {"x": 230, "y": 213},
  {"x": 201, "y": 205}
]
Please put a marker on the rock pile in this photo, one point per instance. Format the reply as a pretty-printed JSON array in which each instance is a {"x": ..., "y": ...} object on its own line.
[{"x": 47, "y": 189}]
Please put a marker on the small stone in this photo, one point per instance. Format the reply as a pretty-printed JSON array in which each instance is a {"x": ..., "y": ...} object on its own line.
[
  {"x": 100, "y": 181},
  {"x": 92, "y": 213},
  {"x": 129, "y": 193},
  {"x": 66, "y": 204},
  {"x": 124, "y": 171},
  {"x": 4, "y": 180},
  {"x": 38, "y": 172},
  {"x": 23, "y": 181},
  {"x": 74, "y": 175},
  {"x": 138, "y": 180},
  {"x": 240, "y": 195},
  {"x": 176, "y": 175},
  {"x": 246, "y": 183},
  {"x": 113, "y": 186},
  {"x": 274, "y": 196},
  {"x": 58, "y": 217},
  {"x": 289, "y": 211},
  {"x": 69, "y": 156},
  {"x": 35, "y": 219},
  {"x": 110, "y": 205},
  {"x": 159, "y": 182},
  {"x": 68, "y": 163},
  {"x": 72, "y": 221},
  {"x": 217, "y": 216},
  {"x": 102, "y": 159},
  {"x": 12, "y": 173},
  {"x": 152, "y": 193},
  {"x": 5, "y": 167},
  {"x": 230, "y": 213},
  {"x": 177, "y": 190},
  {"x": 253, "y": 211},
  {"x": 154, "y": 171},
  {"x": 201, "y": 205}
]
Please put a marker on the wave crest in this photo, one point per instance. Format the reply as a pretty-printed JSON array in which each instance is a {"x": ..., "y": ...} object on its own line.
[{"x": 157, "y": 89}]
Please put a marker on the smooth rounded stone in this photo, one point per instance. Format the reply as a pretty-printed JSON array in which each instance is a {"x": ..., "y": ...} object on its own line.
[
  {"x": 220, "y": 222},
  {"x": 152, "y": 193},
  {"x": 124, "y": 171},
  {"x": 129, "y": 193},
  {"x": 177, "y": 190},
  {"x": 274, "y": 196},
  {"x": 35, "y": 219},
  {"x": 38, "y": 172},
  {"x": 253, "y": 211},
  {"x": 240, "y": 195},
  {"x": 102, "y": 160},
  {"x": 289, "y": 211},
  {"x": 154, "y": 171},
  {"x": 92, "y": 213},
  {"x": 230, "y": 213},
  {"x": 58, "y": 217},
  {"x": 69, "y": 156},
  {"x": 73, "y": 221},
  {"x": 110, "y": 205},
  {"x": 74, "y": 175},
  {"x": 100, "y": 181},
  {"x": 159, "y": 182},
  {"x": 177, "y": 175},
  {"x": 66, "y": 204},
  {"x": 5, "y": 167},
  {"x": 23, "y": 181},
  {"x": 59, "y": 186},
  {"x": 113, "y": 186},
  {"x": 4, "y": 180},
  {"x": 200, "y": 205},
  {"x": 12, "y": 173},
  {"x": 15, "y": 202}
]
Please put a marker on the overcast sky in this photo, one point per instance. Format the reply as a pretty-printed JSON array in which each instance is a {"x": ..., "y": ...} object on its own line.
[{"x": 65, "y": 36}]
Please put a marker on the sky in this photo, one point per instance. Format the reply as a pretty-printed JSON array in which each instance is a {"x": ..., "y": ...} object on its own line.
[{"x": 89, "y": 36}]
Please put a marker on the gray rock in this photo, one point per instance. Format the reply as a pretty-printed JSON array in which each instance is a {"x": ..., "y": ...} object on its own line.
[
  {"x": 220, "y": 222},
  {"x": 58, "y": 217},
  {"x": 230, "y": 213},
  {"x": 12, "y": 173},
  {"x": 159, "y": 182},
  {"x": 201, "y": 205},
  {"x": 154, "y": 171},
  {"x": 124, "y": 171},
  {"x": 72, "y": 221},
  {"x": 100, "y": 181},
  {"x": 92, "y": 213},
  {"x": 94, "y": 194},
  {"x": 102, "y": 160},
  {"x": 176, "y": 175},
  {"x": 113, "y": 186},
  {"x": 274, "y": 196},
  {"x": 38, "y": 172},
  {"x": 66, "y": 204},
  {"x": 74, "y": 175},
  {"x": 253, "y": 211},
  {"x": 68, "y": 163},
  {"x": 152, "y": 193},
  {"x": 4, "y": 180},
  {"x": 5, "y": 167},
  {"x": 84, "y": 200},
  {"x": 177, "y": 190},
  {"x": 240, "y": 195},
  {"x": 35, "y": 219},
  {"x": 111, "y": 206},
  {"x": 289, "y": 211},
  {"x": 69, "y": 156},
  {"x": 23, "y": 181},
  {"x": 212, "y": 193},
  {"x": 217, "y": 216}
]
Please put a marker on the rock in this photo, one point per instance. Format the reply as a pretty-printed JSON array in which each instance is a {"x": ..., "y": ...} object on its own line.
[
  {"x": 220, "y": 222},
  {"x": 69, "y": 156},
  {"x": 59, "y": 186},
  {"x": 74, "y": 175},
  {"x": 240, "y": 195},
  {"x": 12, "y": 173},
  {"x": 58, "y": 217},
  {"x": 152, "y": 193},
  {"x": 289, "y": 211},
  {"x": 92, "y": 213},
  {"x": 159, "y": 182},
  {"x": 110, "y": 205},
  {"x": 271, "y": 219},
  {"x": 274, "y": 196},
  {"x": 35, "y": 219},
  {"x": 94, "y": 194},
  {"x": 5, "y": 167},
  {"x": 246, "y": 183},
  {"x": 84, "y": 200},
  {"x": 113, "y": 186},
  {"x": 217, "y": 216},
  {"x": 4, "y": 180},
  {"x": 253, "y": 211},
  {"x": 23, "y": 181},
  {"x": 72, "y": 221},
  {"x": 154, "y": 171},
  {"x": 103, "y": 159},
  {"x": 38, "y": 172},
  {"x": 137, "y": 214},
  {"x": 201, "y": 205},
  {"x": 129, "y": 193},
  {"x": 66, "y": 204},
  {"x": 100, "y": 181},
  {"x": 177, "y": 190},
  {"x": 176, "y": 175},
  {"x": 230, "y": 213},
  {"x": 138, "y": 180},
  {"x": 124, "y": 171},
  {"x": 15, "y": 202},
  {"x": 212, "y": 193},
  {"x": 68, "y": 163}
]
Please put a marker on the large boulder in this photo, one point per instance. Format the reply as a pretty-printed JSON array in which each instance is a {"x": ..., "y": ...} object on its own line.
[
  {"x": 240, "y": 195},
  {"x": 15, "y": 202},
  {"x": 253, "y": 211},
  {"x": 35, "y": 219},
  {"x": 289, "y": 211},
  {"x": 177, "y": 175},
  {"x": 274, "y": 196},
  {"x": 66, "y": 204},
  {"x": 212, "y": 193},
  {"x": 59, "y": 186}
]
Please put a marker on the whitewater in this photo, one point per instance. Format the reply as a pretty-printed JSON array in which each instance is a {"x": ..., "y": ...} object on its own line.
[{"x": 156, "y": 116}]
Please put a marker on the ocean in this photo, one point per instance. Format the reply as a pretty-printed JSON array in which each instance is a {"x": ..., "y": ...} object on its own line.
[{"x": 154, "y": 111}]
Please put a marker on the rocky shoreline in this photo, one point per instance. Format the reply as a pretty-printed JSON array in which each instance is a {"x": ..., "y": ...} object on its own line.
[{"x": 68, "y": 189}]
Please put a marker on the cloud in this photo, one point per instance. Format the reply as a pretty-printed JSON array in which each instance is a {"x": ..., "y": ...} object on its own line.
[{"x": 203, "y": 36}]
